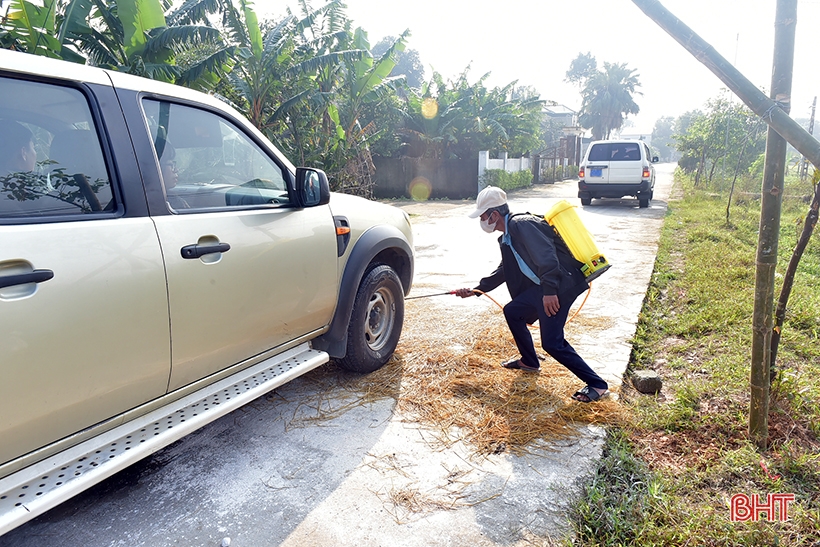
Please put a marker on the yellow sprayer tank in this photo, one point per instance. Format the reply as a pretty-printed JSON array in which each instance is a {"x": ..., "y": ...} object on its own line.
[{"x": 568, "y": 225}]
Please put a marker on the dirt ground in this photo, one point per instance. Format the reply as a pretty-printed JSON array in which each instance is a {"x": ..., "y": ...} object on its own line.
[{"x": 390, "y": 459}]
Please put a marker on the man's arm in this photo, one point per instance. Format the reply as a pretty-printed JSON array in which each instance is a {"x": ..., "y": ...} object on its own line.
[
  {"x": 485, "y": 285},
  {"x": 538, "y": 251}
]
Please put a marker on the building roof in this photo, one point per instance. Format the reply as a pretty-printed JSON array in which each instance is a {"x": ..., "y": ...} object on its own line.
[{"x": 559, "y": 110}]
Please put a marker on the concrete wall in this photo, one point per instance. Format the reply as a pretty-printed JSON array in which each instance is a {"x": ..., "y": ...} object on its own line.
[
  {"x": 509, "y": 165},
  {"x": 424, "y": 178}
]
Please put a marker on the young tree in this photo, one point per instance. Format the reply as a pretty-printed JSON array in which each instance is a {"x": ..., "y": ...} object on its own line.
[
  {"x": 662, "y": 139},
  {"x": 581, "y": 69},
  {"x": 728, "y": 136}
]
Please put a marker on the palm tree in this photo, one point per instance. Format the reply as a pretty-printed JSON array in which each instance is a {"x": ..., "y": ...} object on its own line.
[{"x": 607, "y": 98}]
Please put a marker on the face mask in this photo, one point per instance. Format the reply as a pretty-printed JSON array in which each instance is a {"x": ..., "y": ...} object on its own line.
[{"x": 487, "y": 226}]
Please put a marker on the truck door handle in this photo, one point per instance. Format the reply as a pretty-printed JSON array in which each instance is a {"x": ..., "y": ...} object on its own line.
[
  {"x": 197, "y": 251},
  {"x": 37, "y": 276}
]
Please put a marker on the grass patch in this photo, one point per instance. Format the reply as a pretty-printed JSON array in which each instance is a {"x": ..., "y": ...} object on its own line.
[{"x": 668, "y": 476}]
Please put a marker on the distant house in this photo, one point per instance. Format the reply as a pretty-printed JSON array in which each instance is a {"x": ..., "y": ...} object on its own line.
[
  {"x": 571, "y": 144},
  {"x": 564, "y": 114},
  {"x": 646, "y": 137}
]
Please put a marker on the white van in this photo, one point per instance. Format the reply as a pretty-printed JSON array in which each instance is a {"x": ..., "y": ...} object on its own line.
[{"x": 617, "y": 168}]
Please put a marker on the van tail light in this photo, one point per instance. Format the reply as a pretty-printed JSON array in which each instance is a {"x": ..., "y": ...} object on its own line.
[
  {"x": 646, "y": 174},
  {"x": 581, "y": 173}
]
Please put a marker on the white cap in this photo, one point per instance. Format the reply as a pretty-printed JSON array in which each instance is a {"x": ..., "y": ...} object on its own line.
[{"x": 487, "y": 199}]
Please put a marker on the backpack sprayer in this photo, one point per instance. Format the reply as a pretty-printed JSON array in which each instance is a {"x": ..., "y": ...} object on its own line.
[
  {"x": 567, "y": 224},
  {"x": 579, "y": 241}
]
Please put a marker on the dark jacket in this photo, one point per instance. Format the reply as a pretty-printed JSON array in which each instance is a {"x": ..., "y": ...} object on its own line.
[{"x": 544, "y": 252}]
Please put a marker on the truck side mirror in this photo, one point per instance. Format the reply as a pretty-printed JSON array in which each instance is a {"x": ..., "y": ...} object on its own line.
[{"x": 312, "y": 187}]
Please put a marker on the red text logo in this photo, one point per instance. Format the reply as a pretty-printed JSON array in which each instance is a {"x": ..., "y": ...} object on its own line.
[{"x": 774, "y": 507}]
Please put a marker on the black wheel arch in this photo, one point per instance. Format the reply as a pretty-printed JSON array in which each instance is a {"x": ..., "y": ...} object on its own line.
[{"x": 383, "y": 244}]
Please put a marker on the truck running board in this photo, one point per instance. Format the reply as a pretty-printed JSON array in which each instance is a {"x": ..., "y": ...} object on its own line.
[{"x": 36, "y": 489}]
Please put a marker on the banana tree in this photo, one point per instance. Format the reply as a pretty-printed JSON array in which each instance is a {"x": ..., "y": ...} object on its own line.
[
  {"x": 278, "y": 73},
  {"x": 32, "y": 28},
  {"x": 133, "y": 36},
  {"x": 368, "y": 79}
]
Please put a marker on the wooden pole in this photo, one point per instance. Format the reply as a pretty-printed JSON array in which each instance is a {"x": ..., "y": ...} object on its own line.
[{"x": 769, "y": 235}]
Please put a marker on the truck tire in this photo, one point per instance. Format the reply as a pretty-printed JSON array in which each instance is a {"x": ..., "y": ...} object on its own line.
[
  {"x": 586, "y": 201},
  {"x": 376, "y": 321},
  {"x": 643, "y": 202}
]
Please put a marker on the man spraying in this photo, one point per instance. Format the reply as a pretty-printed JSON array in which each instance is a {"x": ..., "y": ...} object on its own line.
[{"x": 543, "y": 279}]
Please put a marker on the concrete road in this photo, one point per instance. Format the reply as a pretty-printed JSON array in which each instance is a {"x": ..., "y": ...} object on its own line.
[{"x": 315, "y": 464}]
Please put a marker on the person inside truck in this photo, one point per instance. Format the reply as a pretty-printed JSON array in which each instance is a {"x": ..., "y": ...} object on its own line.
[
  {"x": 17, "y": 153},
  {"x": 170, "y": 175}
]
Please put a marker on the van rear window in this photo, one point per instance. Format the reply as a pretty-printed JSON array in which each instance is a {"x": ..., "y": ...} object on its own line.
[{"x": 615, "y": 151}]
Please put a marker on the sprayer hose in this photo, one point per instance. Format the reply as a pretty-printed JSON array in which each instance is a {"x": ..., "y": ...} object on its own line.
[{"x": 584, "y": 301}]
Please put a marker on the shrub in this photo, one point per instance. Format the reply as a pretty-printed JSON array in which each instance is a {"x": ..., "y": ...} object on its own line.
[{"x": 506, "y": 181}]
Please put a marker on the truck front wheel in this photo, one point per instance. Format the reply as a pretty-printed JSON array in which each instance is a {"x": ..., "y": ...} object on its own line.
[{"x": 376, "y": 321}]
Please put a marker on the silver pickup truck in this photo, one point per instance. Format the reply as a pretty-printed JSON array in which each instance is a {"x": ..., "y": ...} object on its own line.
[{"x": 161, "y": 264}]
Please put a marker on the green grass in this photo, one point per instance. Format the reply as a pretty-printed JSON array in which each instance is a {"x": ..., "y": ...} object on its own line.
[{"x": 667, "y": 478}]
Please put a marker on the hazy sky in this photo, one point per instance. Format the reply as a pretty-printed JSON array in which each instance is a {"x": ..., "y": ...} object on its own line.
[{"x": 534, "y": 41}]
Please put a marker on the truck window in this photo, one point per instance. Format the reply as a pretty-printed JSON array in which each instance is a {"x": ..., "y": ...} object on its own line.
[
  {"x": 51, "y": 161},
  {"x": 207, "y": 162}
]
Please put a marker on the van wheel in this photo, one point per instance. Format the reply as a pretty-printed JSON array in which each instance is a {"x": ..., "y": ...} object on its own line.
[
  {"x": 643, "y": 202},
  {"x": 376, "y": 321},
  {"x": 586, "y": 201}
]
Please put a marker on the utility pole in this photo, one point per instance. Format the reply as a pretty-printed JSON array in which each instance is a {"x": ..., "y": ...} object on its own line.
[
  {"x": 771, "y": 199},
  {"x": 729, "y": 117},
  {"x": 804, "y": 165}
]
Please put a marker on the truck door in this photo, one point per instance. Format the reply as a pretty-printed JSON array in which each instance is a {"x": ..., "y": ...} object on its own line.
[
  {"x": 247, "y": 271},
  {"x": 83, "y": 306}
]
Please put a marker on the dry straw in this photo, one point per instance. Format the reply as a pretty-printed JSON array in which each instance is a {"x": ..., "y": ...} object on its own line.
[{"x": 446, "y": 375}]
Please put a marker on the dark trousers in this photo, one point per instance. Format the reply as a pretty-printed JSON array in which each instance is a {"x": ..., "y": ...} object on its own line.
[{"x": 529, "y": 306}]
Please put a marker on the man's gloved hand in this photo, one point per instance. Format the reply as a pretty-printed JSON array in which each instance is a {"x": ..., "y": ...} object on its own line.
[{"x": 464, "y": 293}]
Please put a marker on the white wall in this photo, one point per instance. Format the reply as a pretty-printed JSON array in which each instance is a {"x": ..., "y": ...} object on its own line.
[{"x": 509, "y": 165}]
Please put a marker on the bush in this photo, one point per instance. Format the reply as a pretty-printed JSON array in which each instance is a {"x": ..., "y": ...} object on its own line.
[{"x": 506, "y": 181}]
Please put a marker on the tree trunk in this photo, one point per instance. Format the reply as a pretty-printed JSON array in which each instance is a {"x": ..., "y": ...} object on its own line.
[
  {"x": 712, "y": 171},
  {"x": 788, "y": 278},
  {"x": 734, "y": 179},
  {"x": 775, "y": 113},
  {"x": 772, "y": 195}
]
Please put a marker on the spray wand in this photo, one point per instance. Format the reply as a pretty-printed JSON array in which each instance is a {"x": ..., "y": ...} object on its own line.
[
  {"x": 478, "y": 293},
  {"x": 429, "y": 295}
]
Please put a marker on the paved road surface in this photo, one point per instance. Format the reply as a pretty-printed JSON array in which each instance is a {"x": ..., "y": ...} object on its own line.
[{"x": 272, "y": 474}]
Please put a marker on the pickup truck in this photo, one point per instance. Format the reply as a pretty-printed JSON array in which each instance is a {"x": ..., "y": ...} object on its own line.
[{"x": 162, "y": 264}]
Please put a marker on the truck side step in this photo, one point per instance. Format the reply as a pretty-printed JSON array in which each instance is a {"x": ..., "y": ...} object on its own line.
[{"x": 36, "y": 489}]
